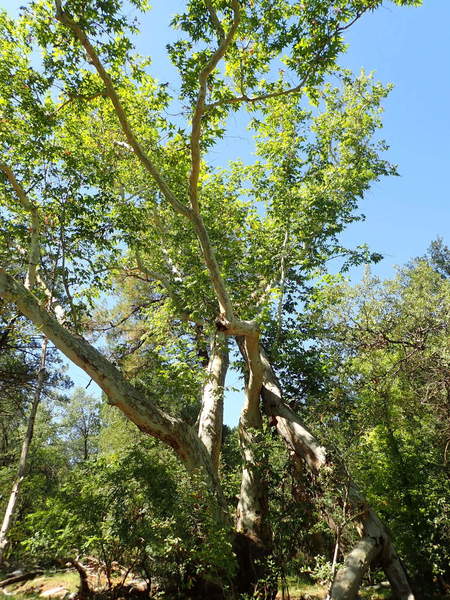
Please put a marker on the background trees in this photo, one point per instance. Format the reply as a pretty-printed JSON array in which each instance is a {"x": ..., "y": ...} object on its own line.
[{"x": 383, "y": 350}]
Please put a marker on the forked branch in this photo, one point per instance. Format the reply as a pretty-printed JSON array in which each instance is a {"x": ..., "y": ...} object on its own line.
[{"x": 200, "y": 104}]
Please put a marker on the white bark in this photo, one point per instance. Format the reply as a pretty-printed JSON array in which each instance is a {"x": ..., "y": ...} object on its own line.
[
  {"x": 289, "y": 425},
  {"x": 395, "y": 573},
  {"x": 8, "y": 518},
  {"x": 199, "y": 109},
  {"x": 193, "y": 214},
  {"x": 210, "y": 422},
  {"x": 348, "y": 578}
]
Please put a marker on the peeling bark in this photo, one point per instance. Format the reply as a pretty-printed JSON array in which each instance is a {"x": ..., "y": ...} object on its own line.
[
  {"x": 210, "y": 421},
  {"x": 395, "y": 573},
  {"x": 252, "y": 507},
  {"x": 254, "y": 540},
  {"x": 348, "y": 578},
  {"x": 289, "y": 425}
]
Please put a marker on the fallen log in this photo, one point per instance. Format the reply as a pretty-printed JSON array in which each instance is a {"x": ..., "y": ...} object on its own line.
[{"x": 19, "y": 578}]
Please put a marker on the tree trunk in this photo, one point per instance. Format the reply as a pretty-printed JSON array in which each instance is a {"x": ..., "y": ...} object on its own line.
[
  {"x": 14, "y": 496},
  {"x": 375, "y": 541},
  {"x": 395, "y": 573},
  {"x": 348, "y": 579},
  {"x": 84, "y": 591},
  {"x": 210, "y": 422},
  {"x": 254, "y": 540}
]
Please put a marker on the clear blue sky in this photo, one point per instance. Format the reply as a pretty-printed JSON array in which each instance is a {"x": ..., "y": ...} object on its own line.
[{"x": 409, "y": 47}]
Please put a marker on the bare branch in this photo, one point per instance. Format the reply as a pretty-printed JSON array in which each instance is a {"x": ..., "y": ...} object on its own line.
[
  {"x": 165, "y": 282},
  {"x": 74, "y": 97},
  {"x": 59, "y": 311}
]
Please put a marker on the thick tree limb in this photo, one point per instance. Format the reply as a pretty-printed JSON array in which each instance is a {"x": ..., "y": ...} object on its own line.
[
  {"x": 395, "y": 572},
  {"x": 210, "y": 422},
  {"x": 252, "y": 506},
  {"x": 225, "y": 304},
  {"x": 137, "y": 407},
  {"x": 84, "y": 591},
  {"x": 348, "y": 578},
  {"x": 298, "y": 438},
  {"x": 215, "y": 20},
  {"x": 375, "y": 541}
]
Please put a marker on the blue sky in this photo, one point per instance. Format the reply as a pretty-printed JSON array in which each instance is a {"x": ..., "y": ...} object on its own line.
[{"x": 409, "y": 47}]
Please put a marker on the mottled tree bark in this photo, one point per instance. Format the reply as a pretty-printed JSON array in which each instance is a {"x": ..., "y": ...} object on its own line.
[
  {"x": 254, "y": 540},
  {"x": 210, "y": 422},
  {"x": 138, "y": 407},
  {"x": 348, "y": 578},
  {"x": 396, "y": 573}
]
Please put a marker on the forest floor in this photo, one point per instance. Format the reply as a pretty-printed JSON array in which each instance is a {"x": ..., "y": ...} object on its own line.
[
  {"x": 64, "y": 584},
  {"x": 59, "y": 584},
  {"x": 305, "y": 590}
]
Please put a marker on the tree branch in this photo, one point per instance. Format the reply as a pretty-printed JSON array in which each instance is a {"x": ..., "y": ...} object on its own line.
[
  {"x": 296, "y": 436},
  {"x": 138, "y": 407},
  {"x": 200, "y": 104},
  {"x": 294, "y": 90},
  {"x": 165, "y": 282},
  {"x": 210, "y": 421},
  {"x": 145, "y": 160},
  {"x": 252, "y": 517},
  {"x": 259, "y": 98},
  {"x": 215, "y": 20},
  {"x": 208, "y": 252},
  {"x": 34, "y": 256}
]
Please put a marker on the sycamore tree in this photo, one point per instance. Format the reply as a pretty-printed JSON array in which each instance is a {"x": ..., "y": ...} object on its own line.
[{"x": 101, "y": 186}]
